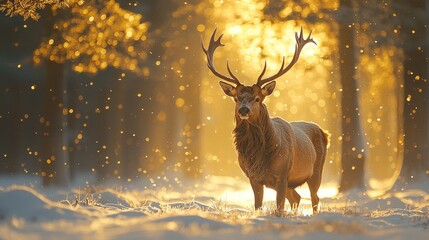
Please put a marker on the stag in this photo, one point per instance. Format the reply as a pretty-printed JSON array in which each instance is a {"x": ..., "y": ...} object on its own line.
[{"x": 271, "y": 151}]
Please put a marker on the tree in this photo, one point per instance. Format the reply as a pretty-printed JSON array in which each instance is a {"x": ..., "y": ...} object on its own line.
[
  {"x": 94, "y": 36},
  {"x": 173, "y": 128},
  {"x": 20, "y": 86},
  {"x": 352, "y": 136},
  {"x": 353, "y": 148},
  {"x": 188, "y": 79},
  {"x": 28, "y": 8},
  {"x": 415, "y": 45},
  {"x": 10, "y": 88}
]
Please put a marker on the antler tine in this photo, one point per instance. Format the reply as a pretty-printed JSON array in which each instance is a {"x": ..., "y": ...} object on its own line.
[
  {"x": 263, "y": 71},
  {"x": 230, "y": 72},
  {"x": 300, "y": 43},
  {"x": 210, "y": 64}
]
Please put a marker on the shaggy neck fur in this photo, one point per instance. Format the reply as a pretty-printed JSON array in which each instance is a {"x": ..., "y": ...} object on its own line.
[{"x": 255, "y": 144}]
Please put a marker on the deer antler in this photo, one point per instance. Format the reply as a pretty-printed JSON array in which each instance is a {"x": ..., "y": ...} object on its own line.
[
  {"x": 300, "y": 43},
  {"x": 209, "y": 53}
]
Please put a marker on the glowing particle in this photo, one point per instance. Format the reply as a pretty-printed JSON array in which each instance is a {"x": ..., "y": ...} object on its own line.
[
  {"x": 201, "y": 27},
  {"x": 161, "y": 116},
  {"x": 180, "y": 102},
  {"x": 33, "y": 87},
  {"x": 276, "y": 93},
  {"x": 157, "y": 63}
]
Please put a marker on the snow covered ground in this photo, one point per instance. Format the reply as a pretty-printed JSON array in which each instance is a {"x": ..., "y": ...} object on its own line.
[{"x": 216, "y": 208}]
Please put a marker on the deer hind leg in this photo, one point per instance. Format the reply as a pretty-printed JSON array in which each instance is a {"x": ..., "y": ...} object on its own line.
[
  {"x": 314, "y": 182},
  {"x": 320, "y": 144},
  {"x": 294, "y": 198},
  {"x": 313, "y": 185}
]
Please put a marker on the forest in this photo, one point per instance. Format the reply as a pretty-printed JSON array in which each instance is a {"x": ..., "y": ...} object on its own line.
[{"x": 119, "y": 91}]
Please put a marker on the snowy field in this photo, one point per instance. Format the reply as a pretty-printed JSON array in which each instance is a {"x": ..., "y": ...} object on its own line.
[{"x": 216, "y": 208}]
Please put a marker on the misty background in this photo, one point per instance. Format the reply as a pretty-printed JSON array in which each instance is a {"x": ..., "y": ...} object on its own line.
[{"x": 120, "y": 90}]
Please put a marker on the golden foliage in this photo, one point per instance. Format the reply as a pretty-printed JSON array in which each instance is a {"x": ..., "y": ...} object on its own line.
[
  {"x": 28, "y": 8},
  {"x": 97, "y": 35}
]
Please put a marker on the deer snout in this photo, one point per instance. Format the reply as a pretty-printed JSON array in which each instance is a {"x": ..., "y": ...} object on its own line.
[{"x": 244, "y": 112}]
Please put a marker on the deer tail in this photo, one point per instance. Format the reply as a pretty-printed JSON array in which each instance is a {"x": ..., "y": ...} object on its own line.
[{"x": 325, "y": 137}]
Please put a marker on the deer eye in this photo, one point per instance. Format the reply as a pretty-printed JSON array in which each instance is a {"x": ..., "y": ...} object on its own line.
[{"x": 257, "y": 99}]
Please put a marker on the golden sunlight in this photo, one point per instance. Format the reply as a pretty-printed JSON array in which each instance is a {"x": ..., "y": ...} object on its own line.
[
  {"x": 304, "y": 93},
  {"x": 310, "y": 91}
]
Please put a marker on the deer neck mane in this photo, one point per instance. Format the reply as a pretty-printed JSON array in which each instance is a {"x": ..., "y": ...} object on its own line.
[{"x": 252, "y": 141}]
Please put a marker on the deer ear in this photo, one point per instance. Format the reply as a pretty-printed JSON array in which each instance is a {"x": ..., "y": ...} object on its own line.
[
  {"x": 228, "y": 89},
  {"x": 268, "y": 89}
]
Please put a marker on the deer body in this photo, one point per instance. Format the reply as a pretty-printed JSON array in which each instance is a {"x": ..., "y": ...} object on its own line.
[{"x": 272, "y": 151}]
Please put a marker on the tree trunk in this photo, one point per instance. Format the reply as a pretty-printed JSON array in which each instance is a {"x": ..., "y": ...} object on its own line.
[
  {"x": 55, "y": 164},
  {"x": 160, "y": 119},
  {"x": 73, "y": 143},
  {"x": 192, "y": 110},
  {"x": 189, "y": 80},
  {"x": 353, "y": 148},
  {"x": 10, "y": 109},
  {"x": 110, "y": 130},
  {"x": 416, "y": 93}
]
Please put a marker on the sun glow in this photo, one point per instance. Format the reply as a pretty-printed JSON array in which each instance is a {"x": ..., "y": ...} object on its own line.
[
  {"x": 251, "y": 39},
  {"x": 310, "y": 91},
  {"x": 244, "y": 197}
]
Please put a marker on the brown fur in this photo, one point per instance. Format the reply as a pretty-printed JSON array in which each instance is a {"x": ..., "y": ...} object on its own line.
[
  {"x": 271, "y": 150},
  {"x": 250, "y": 141}
]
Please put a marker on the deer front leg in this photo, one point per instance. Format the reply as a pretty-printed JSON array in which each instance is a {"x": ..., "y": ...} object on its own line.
[
  {"x": 258, "y": 192},
  {"x": 281, "y": 194}
]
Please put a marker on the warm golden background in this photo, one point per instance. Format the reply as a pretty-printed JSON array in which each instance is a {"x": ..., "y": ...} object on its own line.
[{"x": 120, "y": 89}]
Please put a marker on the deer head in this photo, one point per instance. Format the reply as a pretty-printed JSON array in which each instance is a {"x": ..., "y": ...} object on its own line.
[{"x": 249, "y": 99}]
